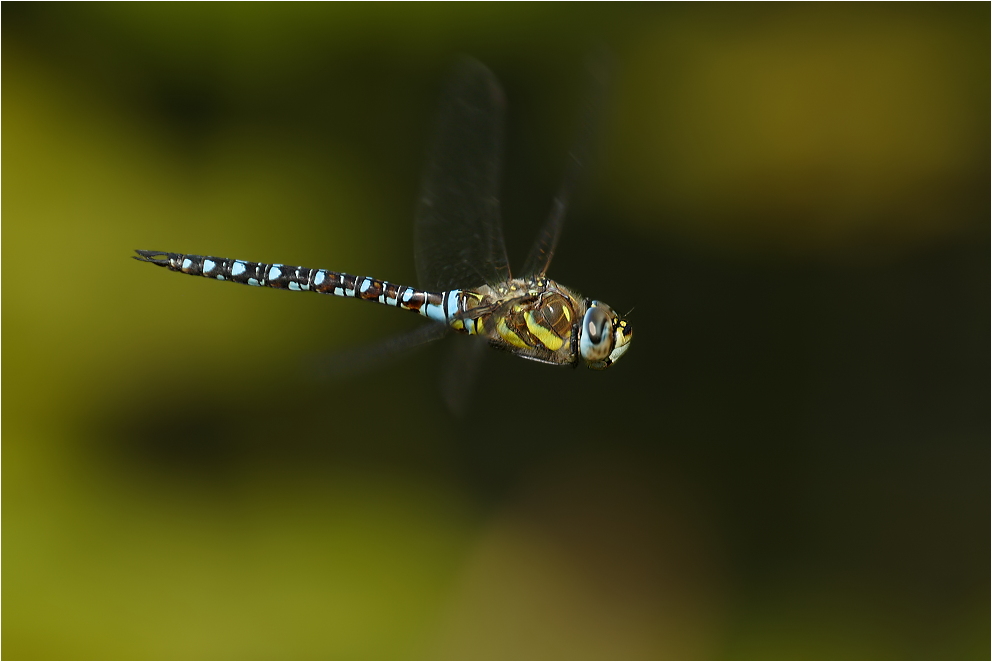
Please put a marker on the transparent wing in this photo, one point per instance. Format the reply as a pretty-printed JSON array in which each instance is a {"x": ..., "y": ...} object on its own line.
[
  {"x": 460, "y": 372},
  {"x": 358, "y": 360},
  {"x": 458, "y": 236},
  {"x": 547, "y": 239}
]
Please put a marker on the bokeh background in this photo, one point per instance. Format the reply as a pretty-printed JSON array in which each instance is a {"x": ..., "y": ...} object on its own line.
[{"x": 791, "y": 462}]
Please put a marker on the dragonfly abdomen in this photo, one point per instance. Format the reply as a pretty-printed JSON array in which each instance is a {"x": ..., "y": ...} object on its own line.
[{"x": 439, "y": 306}]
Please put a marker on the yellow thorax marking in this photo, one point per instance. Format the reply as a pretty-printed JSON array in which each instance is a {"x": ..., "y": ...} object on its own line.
[
  {"x": 508, "y": 335},
  {"x": 547, "y": 338}
]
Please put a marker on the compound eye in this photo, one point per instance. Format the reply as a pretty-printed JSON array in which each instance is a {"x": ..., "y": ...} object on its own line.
[
  {"x": 597, "y": 333},
  {"x": 596, "y": 324}
]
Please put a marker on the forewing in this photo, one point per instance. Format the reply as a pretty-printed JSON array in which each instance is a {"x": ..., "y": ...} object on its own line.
[
  {"x": 592, "y": 109},
  {"x": 458, "y": 236}
]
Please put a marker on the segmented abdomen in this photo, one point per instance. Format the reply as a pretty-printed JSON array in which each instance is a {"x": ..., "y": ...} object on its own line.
[{"x": 439, "y": 306}]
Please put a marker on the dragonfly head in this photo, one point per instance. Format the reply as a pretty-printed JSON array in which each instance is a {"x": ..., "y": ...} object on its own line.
[{"x": 603, "y": 337}]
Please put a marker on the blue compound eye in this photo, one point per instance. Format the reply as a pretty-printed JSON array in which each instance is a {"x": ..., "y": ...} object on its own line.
[
  {"x": 595, "y": 337},
  {"x": 596, "y": 322}
]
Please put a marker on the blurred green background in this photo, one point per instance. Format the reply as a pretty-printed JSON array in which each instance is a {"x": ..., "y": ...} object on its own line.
[{"x": 792, "y": 461}]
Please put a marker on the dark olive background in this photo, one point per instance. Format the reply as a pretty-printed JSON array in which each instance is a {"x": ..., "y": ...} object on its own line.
[{"x": 791, "y": 461}]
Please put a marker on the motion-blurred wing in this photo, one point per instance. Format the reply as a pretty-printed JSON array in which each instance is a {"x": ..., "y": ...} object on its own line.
[
  {"x": 547, "y": 239},
  {"x": 458, "y": 237},
  {"x": 359, "y": 360}
]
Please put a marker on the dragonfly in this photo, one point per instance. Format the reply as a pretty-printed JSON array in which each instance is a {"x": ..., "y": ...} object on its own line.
[{"x": 465, "y": 282}]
